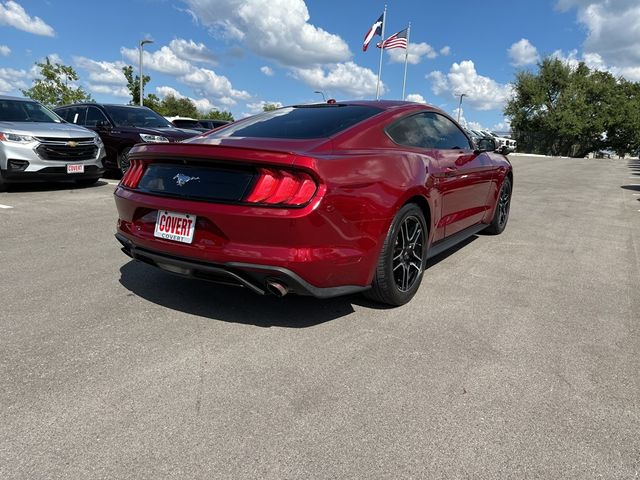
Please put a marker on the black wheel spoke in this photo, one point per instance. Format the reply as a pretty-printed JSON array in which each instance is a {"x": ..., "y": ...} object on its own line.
[{"x": 408, "y": 251}]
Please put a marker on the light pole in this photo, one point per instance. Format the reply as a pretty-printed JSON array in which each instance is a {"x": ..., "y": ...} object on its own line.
[
  {"x": 142, "y": 44},
  {"x": 324, "y": 97},
  {"x": 460, "y": 105}
]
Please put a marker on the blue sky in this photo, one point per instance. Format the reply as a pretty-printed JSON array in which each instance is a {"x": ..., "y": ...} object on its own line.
[{"x": 237, "y": 54}]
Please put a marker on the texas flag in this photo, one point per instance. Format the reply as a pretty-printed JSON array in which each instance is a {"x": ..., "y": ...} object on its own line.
[{"x": 376, "y": 29}]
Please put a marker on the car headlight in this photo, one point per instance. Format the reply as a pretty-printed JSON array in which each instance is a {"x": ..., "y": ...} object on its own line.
[
  {"x": 153, "y": 138},
  {"x": 98, "y": 141},
  {"x": 14, "y": 137}
]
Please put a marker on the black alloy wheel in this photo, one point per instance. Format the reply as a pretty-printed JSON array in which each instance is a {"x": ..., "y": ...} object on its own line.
[
  {"x": 503, "y": 205},
  {"x": 403, "y": 258},
  {"x": 123, "y": 160},
  {"x": 408, "y": 252}
]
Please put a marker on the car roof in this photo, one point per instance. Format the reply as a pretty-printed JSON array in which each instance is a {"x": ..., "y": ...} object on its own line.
[
  {"x": 101, "y": 105},
  {"x": 20, "y": 99}
]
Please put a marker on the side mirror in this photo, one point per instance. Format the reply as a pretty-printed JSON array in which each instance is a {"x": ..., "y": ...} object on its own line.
[
  {"x": 486, "y": 145},
  {"x": 103, "y": 125}
]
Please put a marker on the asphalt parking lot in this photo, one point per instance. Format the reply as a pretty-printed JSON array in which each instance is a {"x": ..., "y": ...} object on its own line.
[{"x": 518, "y": 358}]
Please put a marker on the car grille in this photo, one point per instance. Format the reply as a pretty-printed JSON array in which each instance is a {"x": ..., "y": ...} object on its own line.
[{"x": 63, "y": 149}]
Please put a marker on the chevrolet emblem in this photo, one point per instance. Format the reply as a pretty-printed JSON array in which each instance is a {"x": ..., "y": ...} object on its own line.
[{"x": 72, "y": 144}]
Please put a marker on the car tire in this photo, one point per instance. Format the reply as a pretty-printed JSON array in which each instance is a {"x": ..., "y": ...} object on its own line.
[
  {"x": 86, "y": 182},
  {"x": 123, "y": 160},
  {"x": 403, "y": 258},
  {"x": 501, "y": 212},
  {"x": 3, "y": 185}
]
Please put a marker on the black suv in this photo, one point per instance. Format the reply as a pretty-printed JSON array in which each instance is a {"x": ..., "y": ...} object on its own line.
[{"x": 122, "y": 126}]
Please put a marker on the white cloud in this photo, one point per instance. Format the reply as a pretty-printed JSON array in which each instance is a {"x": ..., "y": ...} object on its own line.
[
  {"x": 102, "y": 72},
  {"x": 12, "y": 14},
  {"x": 416, "y": 52},
  {"x": 523, "y": 53},
  {"x": 11, "y": 80},
  {"x": 474, "y": 125},
  {"x": 204, "y": 81},
  {"x": 482, "y": 93},
  {"x": 113, "y": 90},
  {"x": 462, "y": 121},
  {"x": 268, "y": 71},
  {"x": 415, "y": 97},
  {"x": 207, "y": 82},
  {"x": 192, "y": 51},
  {"x": 202, "y": 104},
  {"x": 446, "y": 50},
  {"x": 274, "y": 29},
  {"x": 347, "y": 78},
  {"x": 257, "y": 107},
  {"x": 163, "y": 60},
  {"x": 613, "y": 32},
  {"x": 4, "y": 50},
  {"x": 595, "y": 62},
  {"x": 503, "y": 126}
]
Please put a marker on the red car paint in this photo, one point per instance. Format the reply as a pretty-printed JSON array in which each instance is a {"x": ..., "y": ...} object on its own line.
[{"x": 363, "y": 178}]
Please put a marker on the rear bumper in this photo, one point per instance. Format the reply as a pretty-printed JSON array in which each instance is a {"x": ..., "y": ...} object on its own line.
[{"x": 255, "y": 277}]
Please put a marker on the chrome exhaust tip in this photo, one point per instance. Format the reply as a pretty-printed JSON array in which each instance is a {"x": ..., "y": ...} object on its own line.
[{"x": 276, "y": 288}]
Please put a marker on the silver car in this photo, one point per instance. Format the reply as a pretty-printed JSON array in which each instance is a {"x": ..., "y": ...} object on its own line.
[{"x": 36, "y": 144}]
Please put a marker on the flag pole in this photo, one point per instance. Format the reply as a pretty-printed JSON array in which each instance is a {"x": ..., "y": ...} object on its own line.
[
  {"x": 384, "y": 21},
  {"x": 406, "y": 58}
]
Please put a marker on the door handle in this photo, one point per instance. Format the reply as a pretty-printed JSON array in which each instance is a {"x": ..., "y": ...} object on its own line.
[{"x": 450, "y": 171}]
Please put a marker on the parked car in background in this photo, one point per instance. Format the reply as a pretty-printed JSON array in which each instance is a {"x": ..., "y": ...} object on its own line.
[
  {"x": 210, "y": 124},
  {"x": 186, "y": 122},
  {"x": 323, "y": 199},
  {"x": 193, "y": 124},
  {"x": 505, "y": 144},
  {"x": 122, "y": 126},
  {"x": 36, "y": 144}
]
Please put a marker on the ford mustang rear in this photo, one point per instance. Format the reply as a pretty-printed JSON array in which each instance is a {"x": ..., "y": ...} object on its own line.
[{"x": 305, "y": 199}]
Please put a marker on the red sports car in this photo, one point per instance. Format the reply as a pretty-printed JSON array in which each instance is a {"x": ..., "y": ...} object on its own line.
[{"x": 323, "y": 199}]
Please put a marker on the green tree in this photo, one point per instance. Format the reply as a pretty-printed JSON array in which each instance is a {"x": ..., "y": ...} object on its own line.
[
  {"x": 623, "y": 132},
  {"x": 218, "y": 115},
  {"x": 268, "y": 107},
  {"x": 133, "y": 84},
  {"x": 565, "y": 110},
  {"x": 172, "y": 106},
  {"x": 55, "y": 87}
]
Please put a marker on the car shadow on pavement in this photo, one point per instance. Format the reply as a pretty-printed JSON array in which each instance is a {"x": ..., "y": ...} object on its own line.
[
  {"x": 231, "y": 304},
  {"x": 50, "y": 186},
  {"x": 635, "y": 188}
]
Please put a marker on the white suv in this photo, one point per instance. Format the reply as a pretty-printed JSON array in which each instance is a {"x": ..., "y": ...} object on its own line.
[{"x": 36, "y": 144}]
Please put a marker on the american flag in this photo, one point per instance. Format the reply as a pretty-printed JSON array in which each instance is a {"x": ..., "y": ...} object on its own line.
[
  {"x": 397, "y": 40},
  {"x": 376, "y": 29}
]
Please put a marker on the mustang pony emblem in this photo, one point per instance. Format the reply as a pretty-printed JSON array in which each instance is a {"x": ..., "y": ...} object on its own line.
[{"x": 182, "y": 179}]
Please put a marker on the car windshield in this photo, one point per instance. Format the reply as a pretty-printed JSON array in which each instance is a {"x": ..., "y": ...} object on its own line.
[
  {"x": 26, "y": 111},
  {"x": 299, "y": 122},
  {"x": 124, "y": 116}
]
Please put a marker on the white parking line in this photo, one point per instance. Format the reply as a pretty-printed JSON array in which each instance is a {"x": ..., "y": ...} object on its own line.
[
  {"x": 6, "y": 207},
  {"x": 113, "y": 183}
]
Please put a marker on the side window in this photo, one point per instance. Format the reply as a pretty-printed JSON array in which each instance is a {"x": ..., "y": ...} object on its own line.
[
  {"x": 62, "y": 113},
  {"x": 428, "y": 130},
  {"x": 75, "y": 115},
  {"x": 94, "y": 115}
]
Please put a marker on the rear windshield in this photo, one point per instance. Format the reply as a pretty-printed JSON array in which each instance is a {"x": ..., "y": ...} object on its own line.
[
  {"x": 25, "y": 111},
  {"x": 136, "y": 117},
  {"x": 299, "y": 122}
]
